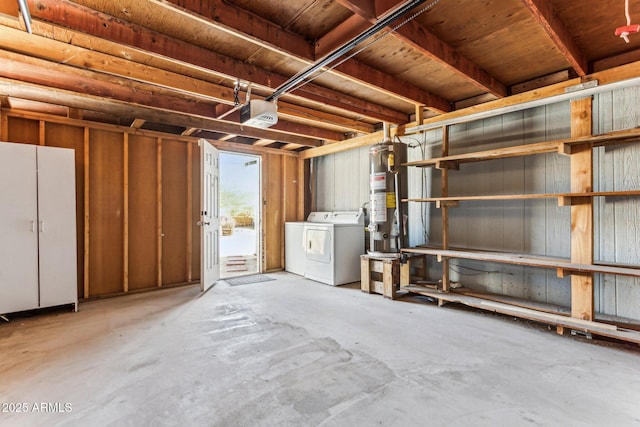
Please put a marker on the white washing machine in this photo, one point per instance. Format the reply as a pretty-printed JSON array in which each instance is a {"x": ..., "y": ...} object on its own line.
[{"x": 333, "y": 242}]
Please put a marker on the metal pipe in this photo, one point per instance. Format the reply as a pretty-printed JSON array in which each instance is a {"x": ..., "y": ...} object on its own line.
[
  {"x": 386, "y": 131},
  {"x": 26, "y": 16},
  {"x": 379, "y": 25},
  {"x": 399, "y": 213}
]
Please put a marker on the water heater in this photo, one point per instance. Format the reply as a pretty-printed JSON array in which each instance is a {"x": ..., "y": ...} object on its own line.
[{"x": 387, "y": 188}]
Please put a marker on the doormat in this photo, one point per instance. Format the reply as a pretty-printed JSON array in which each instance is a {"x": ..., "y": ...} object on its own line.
[{"x": 245, "y": 280}]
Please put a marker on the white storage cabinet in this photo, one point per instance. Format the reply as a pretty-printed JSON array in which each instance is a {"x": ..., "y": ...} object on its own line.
[{"x": 38, "y": 266}]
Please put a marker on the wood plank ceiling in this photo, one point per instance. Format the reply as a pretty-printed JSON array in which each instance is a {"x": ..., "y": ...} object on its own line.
[{"x": 172, "y": 65}]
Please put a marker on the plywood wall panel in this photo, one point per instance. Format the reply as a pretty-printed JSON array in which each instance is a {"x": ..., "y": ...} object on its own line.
[
  {"x": 24, "y": 131},
  {"x": 65, "y": 136},
  {"x": 174, "y": 212},
  {"x": 106, "y": 185},
  {"x": 143, "y": 240}
]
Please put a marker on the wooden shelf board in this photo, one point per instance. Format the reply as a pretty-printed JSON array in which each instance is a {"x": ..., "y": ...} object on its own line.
[
  {"x": 597, "y": 328},
  {"x": 558, "y": 146},
  {"x": 518, "y": 302},
  {"x": 626, "y": 193},
  {"x": 563, "y": 264}
]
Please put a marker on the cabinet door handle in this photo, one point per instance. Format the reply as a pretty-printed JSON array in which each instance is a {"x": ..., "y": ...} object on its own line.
[
  {"x": 33, "y": 226},
  {"x": 42, "y": 226}
]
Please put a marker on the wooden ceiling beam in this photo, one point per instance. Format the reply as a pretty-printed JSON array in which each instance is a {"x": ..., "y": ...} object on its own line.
[
  {"x": 377, "y": 80},
  {"x": 428, "y": 44},
  {"x": 62, "y": 53},
  {"x": 341, "y": 34},
  {"x": 152, "y": 47},
  {"x": 542, "y": 11},
  {"x": 72, "y": 55},
  {"x": 242, "y": 26},
  {"x": 252, "y": 27},
  {"x": 51, "y": 95},
  {"x": 42, "y": 72},
  {"x": 425, "y": 42}
]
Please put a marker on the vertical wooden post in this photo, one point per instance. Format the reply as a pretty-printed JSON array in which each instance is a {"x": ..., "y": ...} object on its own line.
[
  {"x": 389, "y": 288},
  {"x": 125, "y": 214},
  {"x": 304, "y": 196},
  {"x": 283, "y": 207},
  {"x": 444, "y": 184},
  {"x": 86, "y": 212},
  {"x": 581, "y": 160},
  {"x": 365, "y": 274},
  {"x": 159, "y": 209},
  {"x": 41, "y": 132},
  {"x": 419, "y": 114},
  {"x": 405, "y": 272},
  {"x": 189, "y": 211},
  {"x": 4, "y": 125}
]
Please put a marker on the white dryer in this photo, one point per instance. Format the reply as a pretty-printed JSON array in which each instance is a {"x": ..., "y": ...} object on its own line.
[
  {"x": 333, "y": 243},
  {"x": 295, "y": 244}
]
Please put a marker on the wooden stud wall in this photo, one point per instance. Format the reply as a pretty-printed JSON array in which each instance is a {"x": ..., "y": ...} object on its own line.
[
  {"x": 273, "y": 218},
  {"x": 138, "y": 204}
]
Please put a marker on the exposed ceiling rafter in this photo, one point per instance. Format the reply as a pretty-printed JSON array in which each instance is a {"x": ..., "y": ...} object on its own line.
[
  {"x": 542, "y": 11},
  {"x": 428, "y": 44},
  {"x": 147, "y": 43},
  {"x": 247, "y": 26}
]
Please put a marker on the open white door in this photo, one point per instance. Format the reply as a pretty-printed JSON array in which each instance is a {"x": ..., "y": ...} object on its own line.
[{"x": 209, "y": 215}]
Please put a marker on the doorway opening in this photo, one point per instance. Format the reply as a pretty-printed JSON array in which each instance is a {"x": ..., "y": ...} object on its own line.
[{"x": 240, "y": 214}]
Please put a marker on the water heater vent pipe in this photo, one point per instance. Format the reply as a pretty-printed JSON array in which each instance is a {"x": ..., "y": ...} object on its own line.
[{"x": 386, "y": 131}]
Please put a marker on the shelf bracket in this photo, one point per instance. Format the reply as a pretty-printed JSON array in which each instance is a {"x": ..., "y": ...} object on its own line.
[
  {"x": 566, "y": 272},
  {"x": 447, "y": 204},
  {"x": 447, "y": 164},
  {"x": 574, "y": 200},
  {"x": 565, "y": 149}
]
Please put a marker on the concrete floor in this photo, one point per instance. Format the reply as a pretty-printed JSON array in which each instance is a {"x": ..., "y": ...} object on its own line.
[{"x": 294, "y": 352}]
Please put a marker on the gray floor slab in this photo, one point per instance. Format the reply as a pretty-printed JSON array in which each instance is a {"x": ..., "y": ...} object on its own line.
[{"x": 293, "y": 352}]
